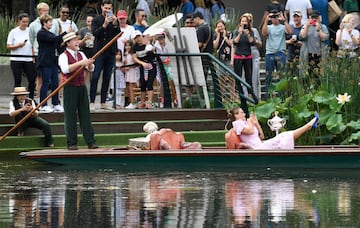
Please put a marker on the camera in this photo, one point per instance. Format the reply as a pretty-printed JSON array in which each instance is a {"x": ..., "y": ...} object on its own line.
[
  {"x": 313, "y": 22},
  {"x": 273, "y": 15},
  {"x": 245, "y": 26}
]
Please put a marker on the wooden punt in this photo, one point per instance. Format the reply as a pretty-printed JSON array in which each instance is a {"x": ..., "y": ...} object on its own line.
[{"x": 300, "y": 157}]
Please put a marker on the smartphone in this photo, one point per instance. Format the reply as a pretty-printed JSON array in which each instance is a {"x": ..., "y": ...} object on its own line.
[
  {"x": 25, "y": 41},
  {"x": 313, "y": 22},
  {"x": 109, "y": 14},
  {"x": 245, "y": 26}
]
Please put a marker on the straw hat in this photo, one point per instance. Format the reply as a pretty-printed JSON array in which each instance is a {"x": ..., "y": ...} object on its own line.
[
  {"x": 20, "y": 91},
  {"x": 69, "y": 36}
]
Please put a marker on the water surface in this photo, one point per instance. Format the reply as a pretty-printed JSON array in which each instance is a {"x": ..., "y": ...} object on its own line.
[{"x": 49, "y": 196}]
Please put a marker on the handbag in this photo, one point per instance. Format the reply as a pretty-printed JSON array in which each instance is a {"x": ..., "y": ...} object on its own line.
[{"x": 334, "y": 11}]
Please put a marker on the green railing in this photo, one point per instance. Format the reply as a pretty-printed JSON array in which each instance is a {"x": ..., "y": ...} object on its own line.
[{"x": 225, "y": 87}]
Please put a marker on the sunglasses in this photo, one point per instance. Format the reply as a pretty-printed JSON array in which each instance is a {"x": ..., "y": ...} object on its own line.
[
  {"x": 188, "y": 22},
  {"x": 143, "y": 16},
  {"x": 65, "y": 12}
]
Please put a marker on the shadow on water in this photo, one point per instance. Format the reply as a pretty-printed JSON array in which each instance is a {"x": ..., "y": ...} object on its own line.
[{"x": 37, "y": 195}]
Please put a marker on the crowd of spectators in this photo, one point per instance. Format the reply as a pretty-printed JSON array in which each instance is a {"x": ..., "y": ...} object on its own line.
[{"x": 294, "y": 31}]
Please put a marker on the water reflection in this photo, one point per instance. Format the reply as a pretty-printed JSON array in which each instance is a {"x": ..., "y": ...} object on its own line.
[{"x": 243, "y": 198}]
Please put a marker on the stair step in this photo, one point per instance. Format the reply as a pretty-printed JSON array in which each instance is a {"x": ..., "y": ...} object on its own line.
[{"x": 26, "y": 143}]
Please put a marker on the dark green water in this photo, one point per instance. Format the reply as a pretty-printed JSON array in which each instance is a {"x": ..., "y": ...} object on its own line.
[{"x": 47, "y": 196}]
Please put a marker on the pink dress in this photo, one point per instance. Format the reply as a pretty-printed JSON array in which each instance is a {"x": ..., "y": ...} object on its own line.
[{"x": 284, "y": 140}]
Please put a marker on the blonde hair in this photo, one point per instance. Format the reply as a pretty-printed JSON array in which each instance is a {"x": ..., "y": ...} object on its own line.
[
  {"x": 346, "y": 21},
  {"x": 42, "y": 5},
  {"x": 347, "y": 18}
]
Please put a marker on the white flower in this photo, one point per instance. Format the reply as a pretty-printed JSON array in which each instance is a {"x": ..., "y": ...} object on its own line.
[{"x": 342, "y": 99}]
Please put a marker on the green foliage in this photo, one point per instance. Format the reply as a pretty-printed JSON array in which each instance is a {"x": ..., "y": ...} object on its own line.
[
  {"x": 6, "y": 24},
  {"x": 296, "y": 99}
]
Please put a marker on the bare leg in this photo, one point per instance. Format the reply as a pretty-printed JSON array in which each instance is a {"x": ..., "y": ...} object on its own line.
[
  {"x": 150, "y": 94},
  {"x": 38, "y": 85},
  {"x": 142, "y": 97},
  {"x": 301, "y": 130},
  {"x": 131, "y": 93}
]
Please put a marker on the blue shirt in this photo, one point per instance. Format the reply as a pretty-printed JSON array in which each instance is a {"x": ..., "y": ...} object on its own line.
[
  {"x": 188, "y": 8},
  {"x": 322, "y": 7},
  {"x": 276, "y": 39},
  {"x": 141, "y": 28},
  {"x": 217, "y": 10}
]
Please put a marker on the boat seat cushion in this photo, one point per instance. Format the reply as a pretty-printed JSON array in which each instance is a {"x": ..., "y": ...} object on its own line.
[{"x": 232, "y": 140}]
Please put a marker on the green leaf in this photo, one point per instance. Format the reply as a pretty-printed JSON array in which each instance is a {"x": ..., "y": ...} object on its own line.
[
  {"x": 354, "y": 124},
  {"x": 355, "y": 137},
  {"x": 265, "y": 110},
  {"x": 281, "y": 85},
  {"x": 334, "y": 105},
  {"x": 335, "y": 124},
  {"x": 323, "y": 97}
]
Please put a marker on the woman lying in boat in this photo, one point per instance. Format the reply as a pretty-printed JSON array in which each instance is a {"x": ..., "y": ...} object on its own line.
[
  {"x": 167, "y": 139},
  {"x": 251, "y": 135}
]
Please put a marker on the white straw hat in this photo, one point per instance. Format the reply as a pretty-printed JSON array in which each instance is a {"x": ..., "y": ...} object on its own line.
[
  {"x": 20, "y": 91},
  {"x": 69, "y": 36}
]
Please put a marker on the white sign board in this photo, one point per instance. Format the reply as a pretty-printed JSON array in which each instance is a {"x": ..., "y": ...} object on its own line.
[{"x": 187, "y": 70}]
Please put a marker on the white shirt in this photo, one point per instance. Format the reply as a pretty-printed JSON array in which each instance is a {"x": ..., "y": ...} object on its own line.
[
  {"x": 127, "y": 32},
  {"x": 12, "y": 106},
  {"x": 64, "y": 63},
  {"x": 302, "y": 5},
  {"x": 66, "y": 24},
  {"x": 17, "y": 36},
  {"x": 347, "y": 42}
]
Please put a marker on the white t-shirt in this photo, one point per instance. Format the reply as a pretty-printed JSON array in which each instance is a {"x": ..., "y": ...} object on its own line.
[
  {"x": 347, "y": 42},
  {"x": 127, "y": 32},
  {"x": 66, "y": 24},
  {"x": 17, "y": 36},
  {"x": 302, "y": 5}
]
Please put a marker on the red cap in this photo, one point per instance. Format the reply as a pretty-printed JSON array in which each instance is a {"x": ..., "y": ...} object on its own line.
[{"x": 121, "y": 14}]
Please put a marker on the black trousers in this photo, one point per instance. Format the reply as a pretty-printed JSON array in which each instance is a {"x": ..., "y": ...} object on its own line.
[
  {"x": 29, "y": 69},
  {"x": 239, "y": 64}
]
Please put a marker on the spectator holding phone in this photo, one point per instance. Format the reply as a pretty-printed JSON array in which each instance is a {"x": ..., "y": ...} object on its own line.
[
  {"x": 275, "y": 57},
  {"x": 313, "y": 35},
  {"x": 18, "y": 43},
  {"x": 294, "y": 44},
  {"x": 347, "y": 37},
  {"x": 104, "y": 28},
  {"x": 241, "y": 57}
]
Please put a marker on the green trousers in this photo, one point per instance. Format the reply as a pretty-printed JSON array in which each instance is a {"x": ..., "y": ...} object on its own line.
[
  {"x": 76, "y": 104},
  {"x": 41, "y": 124}
]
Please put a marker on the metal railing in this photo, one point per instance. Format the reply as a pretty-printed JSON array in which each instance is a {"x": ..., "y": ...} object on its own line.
[{"x": 225, "y": 87}]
